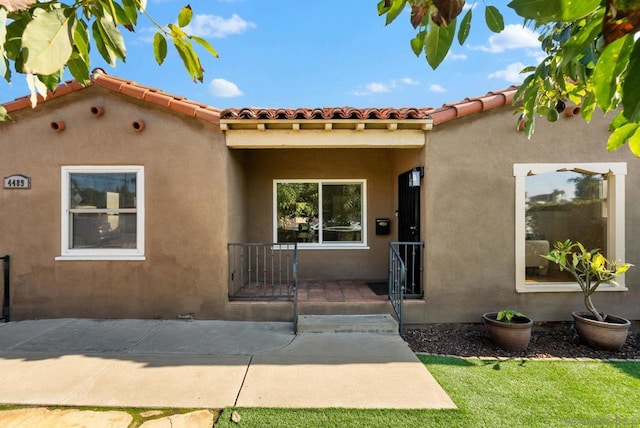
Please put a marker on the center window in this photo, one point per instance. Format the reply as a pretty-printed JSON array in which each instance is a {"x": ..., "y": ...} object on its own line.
[{"x": 320, "y": 212}]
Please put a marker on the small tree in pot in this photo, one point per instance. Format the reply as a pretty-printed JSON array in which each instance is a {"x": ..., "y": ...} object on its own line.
[
  {"x": 510, "y": 330},
  {"x": 590, "y": 269}
]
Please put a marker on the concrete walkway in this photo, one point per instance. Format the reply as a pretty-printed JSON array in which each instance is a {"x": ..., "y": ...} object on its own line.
[{"x": 207, "y": 364}]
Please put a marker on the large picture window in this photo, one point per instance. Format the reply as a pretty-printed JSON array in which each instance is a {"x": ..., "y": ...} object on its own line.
[
  {"x": 555, "y": 202},
  {"x": 102, "y": 212},
  {"x": 320, "y": 212}
]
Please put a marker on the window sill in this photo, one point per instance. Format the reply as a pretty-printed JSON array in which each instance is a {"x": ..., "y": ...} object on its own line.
[
  {"x": 564, "y": 287},
  {"x": 333, "y": 247},
  {"x": 102, "y": 257}
]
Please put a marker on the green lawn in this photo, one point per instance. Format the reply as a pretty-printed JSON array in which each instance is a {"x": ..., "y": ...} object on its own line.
[{"x": 512, "y": 393}]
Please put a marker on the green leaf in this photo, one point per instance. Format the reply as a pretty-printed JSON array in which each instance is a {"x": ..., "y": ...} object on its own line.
[
  {"x": 112, "y": 37},
  {"x": 47, "y": 41},
  {"x": 417, "y": 43},
  {"x": 583, "y": 38},
  {"x": 438, "y": 41},
  {"x": 618, "y": 121},
  {"x": 525, "y": 83},
  {"x": 588, "y": 106},
  {"x": 102, "y": 46},
  {"x": 79, "y": 68},
  {"x": 634, "y": 142},
  {"x": 392, "y": 12},
  {"x": 610, "y": 66},
  {"x": 3, "y": 37},
  {"x": 189, "y": 58},
  {"x": 108, "y": 8},
  {"x": 494, "y": 19},
  {"x": 185, "y": 15},
  {"x": 122, "y": 17},
  {"x": 620, "y": 136},
  {"x": 50, "y": 81},
  {"x": 631, "y": 86},
  {"x": 81, "y": 40},
  {"x": 13, "y": 43},
  {"x": 177, "y": 31},
  {"x": 544, "y": 11},
  {"x": 465, "y": 27},
  {"x": 205, "y": 44},
  {"x": 131, "y": 10},
  {"x": 159, "y": 48}
]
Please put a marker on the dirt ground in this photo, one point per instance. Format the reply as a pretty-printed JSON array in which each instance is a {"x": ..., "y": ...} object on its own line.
[{"x": 548, "y": 340}]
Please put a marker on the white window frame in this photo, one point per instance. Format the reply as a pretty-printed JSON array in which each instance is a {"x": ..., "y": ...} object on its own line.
[
  {"x": 68, "y": 253},
  {"x": 318, "y": 245},
  {"x": 616, "y": 172}
]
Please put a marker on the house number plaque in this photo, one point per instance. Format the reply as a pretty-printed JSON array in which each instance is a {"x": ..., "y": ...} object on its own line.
[{"x": 17, "y": 181}]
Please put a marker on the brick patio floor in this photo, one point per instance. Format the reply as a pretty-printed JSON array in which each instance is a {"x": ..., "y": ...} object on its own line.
[{"x": 336, "y": 291}]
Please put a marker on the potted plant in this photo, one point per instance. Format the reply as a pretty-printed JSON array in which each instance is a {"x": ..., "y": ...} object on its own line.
[
  {"x": 590, "y": 269},
  {"x": 508, "y": 329}
]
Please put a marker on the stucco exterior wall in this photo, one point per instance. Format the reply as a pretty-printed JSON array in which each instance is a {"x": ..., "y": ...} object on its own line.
[
  {"x": 377, "y": 166},
  {"x": 186, "y": 172},
  {"x": 470, "y": 212}
]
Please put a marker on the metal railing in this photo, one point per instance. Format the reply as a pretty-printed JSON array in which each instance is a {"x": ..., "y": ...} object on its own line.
[
  {"x": 406, "y": 265},
  {"x": 264, "y": 272},
  {"x": 397, "y": 284},
  {"x": 411, "y": 254},
  {"x": 6, "y": 295}
]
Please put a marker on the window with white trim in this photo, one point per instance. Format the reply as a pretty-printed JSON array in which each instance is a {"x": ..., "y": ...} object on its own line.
[
  {"x": 582, "y": 202},
  {"x": 102, "y": 212},
  {"x": 320, "y": 212}
]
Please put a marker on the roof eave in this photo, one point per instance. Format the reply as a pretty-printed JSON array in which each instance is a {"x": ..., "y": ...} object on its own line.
[{"x": 325, "y": 124}]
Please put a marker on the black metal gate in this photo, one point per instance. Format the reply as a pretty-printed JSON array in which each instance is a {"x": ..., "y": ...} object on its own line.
[
  {"x": 6, "y": 289},
  {"x": 409, "y": 228}
]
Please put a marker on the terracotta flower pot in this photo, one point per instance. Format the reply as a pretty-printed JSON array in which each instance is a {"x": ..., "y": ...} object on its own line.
[
  {"x": 511, "y": 336},
  {"x": 609, "y": 335}
]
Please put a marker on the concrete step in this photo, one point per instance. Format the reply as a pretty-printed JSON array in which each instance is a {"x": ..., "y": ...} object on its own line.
[{"x": 371, "y": 323}]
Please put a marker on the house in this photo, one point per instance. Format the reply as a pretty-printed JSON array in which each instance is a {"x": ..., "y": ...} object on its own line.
[{"x": 123, "y": 201}]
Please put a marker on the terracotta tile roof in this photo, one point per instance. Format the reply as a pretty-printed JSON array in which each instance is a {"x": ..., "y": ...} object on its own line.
[
  {"x": 439, "y": 115},
  {"x": 24, "y": 102},
  {"x": 326, "y": 113},
  {"x": 474, "y": 105},
  {"x": 129, "y": 88}
]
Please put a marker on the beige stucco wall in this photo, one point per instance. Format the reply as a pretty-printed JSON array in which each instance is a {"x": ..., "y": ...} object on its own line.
[
  {"x": 469, "y": 216},
  {"x": 186, "y": 208}
]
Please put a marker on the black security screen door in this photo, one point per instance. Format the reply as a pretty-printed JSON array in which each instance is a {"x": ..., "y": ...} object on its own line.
[
  {"x": 409, "y": 228},
  {"x": 409, "y": 206}
]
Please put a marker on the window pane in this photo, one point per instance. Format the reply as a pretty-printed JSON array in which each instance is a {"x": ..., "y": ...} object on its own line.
[
  {"x": 342, "y": 212},
  {"x": 103, "y": 230},
  {"x": 103, "y": 190},
  {"x": 297, "y": 211},
  {"x": 562, "y": 205}
]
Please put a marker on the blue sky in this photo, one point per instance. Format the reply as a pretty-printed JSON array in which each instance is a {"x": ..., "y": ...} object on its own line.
[{"x": 319, "y": 53}]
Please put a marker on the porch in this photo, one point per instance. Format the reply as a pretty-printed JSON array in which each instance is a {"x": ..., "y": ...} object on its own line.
[{"x": 268, "y": 272}]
